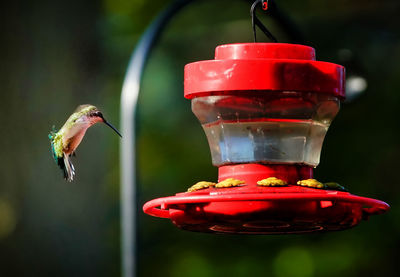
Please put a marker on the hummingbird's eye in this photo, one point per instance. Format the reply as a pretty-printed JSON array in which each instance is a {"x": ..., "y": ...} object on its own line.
[{"x": 98, "y": 114}]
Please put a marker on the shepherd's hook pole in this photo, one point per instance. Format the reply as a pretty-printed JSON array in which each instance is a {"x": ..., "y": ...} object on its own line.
[{"x": 129, "y": 98}]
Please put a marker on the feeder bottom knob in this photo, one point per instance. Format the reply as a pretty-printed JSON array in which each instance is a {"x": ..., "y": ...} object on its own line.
[
  {"x": 201, "y": 185},
  {"x": 272, "y": 182},
  {"x": 230, "y": 182}
]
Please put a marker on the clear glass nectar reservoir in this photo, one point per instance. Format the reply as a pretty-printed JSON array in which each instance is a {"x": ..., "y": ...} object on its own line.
[
  {"x": 266, "y": 103},
  {"x": 279, "y": 127}
]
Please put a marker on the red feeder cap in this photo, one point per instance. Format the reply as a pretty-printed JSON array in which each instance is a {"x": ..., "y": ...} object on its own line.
[{"x": 263, "y": 66}]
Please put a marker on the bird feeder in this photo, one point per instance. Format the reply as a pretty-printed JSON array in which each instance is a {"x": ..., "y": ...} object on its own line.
[{"x": 265, "y": 109}]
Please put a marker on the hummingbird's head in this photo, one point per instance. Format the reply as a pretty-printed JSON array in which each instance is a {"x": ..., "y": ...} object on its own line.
[{"x": 94, "y": 116}]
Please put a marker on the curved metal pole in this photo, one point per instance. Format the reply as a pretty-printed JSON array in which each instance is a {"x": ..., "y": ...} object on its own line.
[{"x": 129, "y": 97}]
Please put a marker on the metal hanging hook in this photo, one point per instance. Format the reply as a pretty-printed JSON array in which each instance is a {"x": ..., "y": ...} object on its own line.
[{"x": 255, "y": 21}]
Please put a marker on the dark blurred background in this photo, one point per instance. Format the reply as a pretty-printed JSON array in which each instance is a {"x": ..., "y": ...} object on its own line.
[{"x": 56, "y": 55}]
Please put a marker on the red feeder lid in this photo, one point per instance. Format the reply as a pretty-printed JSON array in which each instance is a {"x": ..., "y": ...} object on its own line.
[
  {"x": 263, "y": 66},
  {"x": 265, "y": 210}
]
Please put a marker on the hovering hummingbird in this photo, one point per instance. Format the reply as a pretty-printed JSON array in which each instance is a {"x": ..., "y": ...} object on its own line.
[{"x": 66, "y": 140}]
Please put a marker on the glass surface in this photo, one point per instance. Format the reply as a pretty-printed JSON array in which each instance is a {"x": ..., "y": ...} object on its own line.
[{"x": 273, "y": 127}]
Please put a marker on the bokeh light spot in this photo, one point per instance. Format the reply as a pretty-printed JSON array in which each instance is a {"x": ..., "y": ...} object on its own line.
[
  {"x": 7, "y": 219},
  {"x": 355, "y": 86}
]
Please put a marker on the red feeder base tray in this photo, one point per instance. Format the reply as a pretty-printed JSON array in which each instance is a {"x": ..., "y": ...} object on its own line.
[{"x": 265, "y": 210}]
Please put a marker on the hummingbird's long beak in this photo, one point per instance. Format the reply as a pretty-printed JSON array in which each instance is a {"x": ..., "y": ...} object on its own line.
[{"x": 112, "y": 127}]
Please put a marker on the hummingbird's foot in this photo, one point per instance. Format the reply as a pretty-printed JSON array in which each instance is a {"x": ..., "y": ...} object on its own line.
[
  {"x": 311, "y": 183},
  {"x": 201, "y": 185},
  {"x": 230, "y": 182},
  {"x": 272, "y": 182}
]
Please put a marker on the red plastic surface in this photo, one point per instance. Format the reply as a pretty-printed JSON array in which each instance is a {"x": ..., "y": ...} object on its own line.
[
  {"x": 265, "y": 210},
  {"x": 249, "y": 51},
  {"x": 252, "y": 173},
  {"x": 253, "y": 209},
  {"x": 248, "y": 67}
]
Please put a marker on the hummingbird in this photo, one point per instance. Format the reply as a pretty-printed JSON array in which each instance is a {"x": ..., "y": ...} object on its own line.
[{"x": 67, "y": 139}]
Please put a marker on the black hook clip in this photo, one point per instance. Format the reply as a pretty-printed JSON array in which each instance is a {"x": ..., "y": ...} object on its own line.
[{"x": 255, "y": 21}]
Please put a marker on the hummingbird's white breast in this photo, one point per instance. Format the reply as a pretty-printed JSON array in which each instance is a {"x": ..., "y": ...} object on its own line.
[{"x": 74, "y": 133}]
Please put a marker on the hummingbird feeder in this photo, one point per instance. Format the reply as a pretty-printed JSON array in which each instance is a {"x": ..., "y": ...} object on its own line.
[{"x": 265, "y": 109}]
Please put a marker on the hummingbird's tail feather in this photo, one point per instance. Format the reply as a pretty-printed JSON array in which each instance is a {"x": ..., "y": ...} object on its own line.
[{"x": 68, "y": 168}]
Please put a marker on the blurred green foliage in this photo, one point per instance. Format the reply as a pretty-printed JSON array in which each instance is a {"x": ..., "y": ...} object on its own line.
[{"x": 59, "y": 54}]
